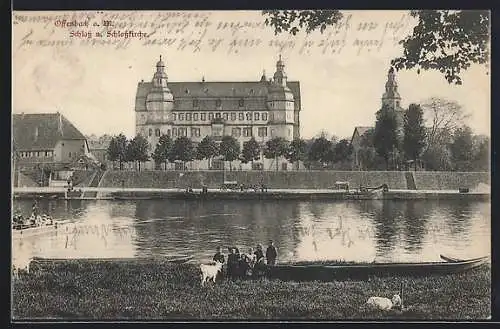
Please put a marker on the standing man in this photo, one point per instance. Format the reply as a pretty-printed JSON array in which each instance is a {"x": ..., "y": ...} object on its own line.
[{"x": 271, "y": 254}]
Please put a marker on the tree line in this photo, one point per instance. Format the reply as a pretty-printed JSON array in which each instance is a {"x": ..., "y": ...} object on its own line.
[
  {"x": 446, "y": 144},
  {"x": 317, "y": 152}
]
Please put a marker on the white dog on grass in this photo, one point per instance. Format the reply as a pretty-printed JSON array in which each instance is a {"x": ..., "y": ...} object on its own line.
[
  {"x": 383, "y": 303},
  {"x": 209, "y": 272}
]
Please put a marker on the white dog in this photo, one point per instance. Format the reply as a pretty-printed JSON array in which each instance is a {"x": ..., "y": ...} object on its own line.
[
  {"x": 383, "y": 303},
  {"x": 209, "y": 272}
]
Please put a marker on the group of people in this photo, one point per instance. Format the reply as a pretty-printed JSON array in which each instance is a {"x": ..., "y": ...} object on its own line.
[
  {"x": 35, "y": 220},
  {"x": 244, "y": 265}
]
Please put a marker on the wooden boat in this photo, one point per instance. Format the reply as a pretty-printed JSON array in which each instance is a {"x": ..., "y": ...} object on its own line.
[
  {"x": 173, "y": 259},
  {"x": 332, "y": 271},
  {"x": 27, "y": 231},
  {"x": 455, "y": 260}
]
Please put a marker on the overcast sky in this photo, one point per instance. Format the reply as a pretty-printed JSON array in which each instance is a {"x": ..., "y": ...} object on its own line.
[{"x": 95, "y": 87}]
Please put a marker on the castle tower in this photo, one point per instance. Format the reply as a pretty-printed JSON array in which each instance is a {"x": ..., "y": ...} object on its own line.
[
  {"x": 159, "y": 106},
  {"x": 280, "y": 102}
]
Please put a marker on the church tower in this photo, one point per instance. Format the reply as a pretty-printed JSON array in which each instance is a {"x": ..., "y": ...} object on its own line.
[
  {"x": 280, "y": 103},
  {"x": 159, "y": 106},
  {"x": 392, "y": 99}
]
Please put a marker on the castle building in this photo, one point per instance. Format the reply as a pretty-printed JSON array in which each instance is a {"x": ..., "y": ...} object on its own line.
[
  {"x": 262, "y": 109},
  {"x": 391, "y": 100}
]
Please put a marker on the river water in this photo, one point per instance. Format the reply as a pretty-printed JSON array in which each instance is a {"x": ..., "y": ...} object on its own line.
[{"x": 376, "y": 230}]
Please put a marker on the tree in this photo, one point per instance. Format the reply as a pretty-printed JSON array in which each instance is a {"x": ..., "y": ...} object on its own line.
[
  {"x": 385, "y": 138},
  {"x": 207, "y": 149},
  {"x": 117, "y": 149},
  {"x": 414, "y": 133},
  {"x": 437, "y": 157},
  {"x": 229, "y": 149},
  {"x": 162, "y": 150},
  {"x": 297, "y": 151},
  {"x": 182, "y": 150},
  {"x": 481, "y": 153},
  {"x": 442, "y": 117},
  {"x": 461, "y": 149},
  {"x": 138, "y": 150},
  {"x": 448, "y": 41},
  {"x": 321, "y": 151},
  {"x": 251, "y": 151},
  {"x": 275, "y": 148},
  {"x": 342, "y": 150}
]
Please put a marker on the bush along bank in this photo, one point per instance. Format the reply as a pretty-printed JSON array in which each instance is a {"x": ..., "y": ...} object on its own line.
[{"x": 154, "y": 291}]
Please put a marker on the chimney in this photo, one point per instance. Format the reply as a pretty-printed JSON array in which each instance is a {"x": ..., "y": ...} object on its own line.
[{"x": 60, "y": 125}]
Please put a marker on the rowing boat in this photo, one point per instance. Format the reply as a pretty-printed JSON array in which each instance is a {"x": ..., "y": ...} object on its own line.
[
  {"x": 326, "y": 271},
  {"x": 455, "y": 260},
  {"x": 173, "y": 259},
  {"x": 31, "y": 231}
]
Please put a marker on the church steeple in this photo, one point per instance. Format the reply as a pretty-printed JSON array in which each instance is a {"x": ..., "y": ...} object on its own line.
[{"x": 391, "y": 95}]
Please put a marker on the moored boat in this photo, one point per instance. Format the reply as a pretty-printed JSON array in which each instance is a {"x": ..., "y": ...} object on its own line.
[
  {"x": 326, "y": 271},
  {"x": 174, "y": 259}
]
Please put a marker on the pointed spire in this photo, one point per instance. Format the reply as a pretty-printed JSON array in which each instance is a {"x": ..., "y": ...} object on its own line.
[
  {"x": 263, "y": 77},
  {"x": 203, "y": 79}
]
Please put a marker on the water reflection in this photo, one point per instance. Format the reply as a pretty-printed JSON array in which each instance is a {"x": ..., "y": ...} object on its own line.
[{"x": 360, "y": 231}]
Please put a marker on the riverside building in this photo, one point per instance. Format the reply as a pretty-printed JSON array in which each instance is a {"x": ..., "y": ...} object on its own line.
[{"x": 263, "y": 109}]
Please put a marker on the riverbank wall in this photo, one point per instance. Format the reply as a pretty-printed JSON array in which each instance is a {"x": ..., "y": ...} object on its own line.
[{"x": 398, "y": 180}]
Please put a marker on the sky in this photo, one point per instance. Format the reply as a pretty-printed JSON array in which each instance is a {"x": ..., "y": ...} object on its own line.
[{"x": 94, "y": 86}]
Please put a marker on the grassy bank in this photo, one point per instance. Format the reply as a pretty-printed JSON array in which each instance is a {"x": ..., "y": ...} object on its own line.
[{"x": 152, "y": 291}]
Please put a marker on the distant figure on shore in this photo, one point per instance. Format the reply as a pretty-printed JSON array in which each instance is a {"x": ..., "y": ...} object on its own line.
[
  {"x": 259, "y": 254},
  {"x": 232, "y": 263},
  {"x": 219, "y": 256},
  {"x": 271, "y": 254}
]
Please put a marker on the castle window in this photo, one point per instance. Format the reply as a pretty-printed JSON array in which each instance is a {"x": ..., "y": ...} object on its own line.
[
  {"x": 241, "y": 116},
  {"x": 174, "y": 116},
  {"x": 157, "y": 132},
  {"x": 210, "y": 116},
  {"x": 217, "y": 115},
  {"x": 218, "y": 103},
  {"x": 264, "y": 116},
  {"x": 225, "y": 116},
  {"x": 186, "y": 91},
  {"x": 217, "y": 131},
  {"x": 241, "y": 103},
  {"x": 188, "y": 116},
  {"x": 195, "y": 103},
  {"x": 203, "y": 116},
  {"x": 233, "y": 116},
  {"x": 168, "y": 132},
  {"x": 256, "y": 115},
  {"x": 251, "y": 91},
  {"x": 195, "y": 116},
  {"x": 247, "y": 132},
  {"x": 182, "y": 131},
  {"x": 174, "y": 132},
  {"x": 249, "y": 116},
  {"x": 262, "y": 131},
  {"x": 195, "y": 132},
  {"x": 236, "y": 132},
  {"x": 150, "y": 132},
  {"x": 181, "y": 116},
  {"x": 273, "y": 132}
]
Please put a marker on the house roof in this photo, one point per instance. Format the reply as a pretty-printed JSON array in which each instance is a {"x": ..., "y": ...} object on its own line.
[
  {"x": 42, "y": 131},
  {"x": 219, "y": 89},
  {"x": 361, "y": 130}
]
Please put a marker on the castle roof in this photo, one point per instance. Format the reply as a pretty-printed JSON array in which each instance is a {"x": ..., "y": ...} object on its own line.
[{"x": 244, "y": 89}]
